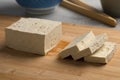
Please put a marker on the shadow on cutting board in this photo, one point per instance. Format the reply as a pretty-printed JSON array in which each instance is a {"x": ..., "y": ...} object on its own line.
[
  {"x": 51, "y": 58},
  {"x": 79, "y": 63},
  {"x": 18, "y": 54}
]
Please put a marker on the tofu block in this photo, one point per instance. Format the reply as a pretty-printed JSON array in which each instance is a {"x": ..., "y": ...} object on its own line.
[
  {"x": 78, "y": 44},
  {"x": 94, "y": 46},
  {"x": 33, "y": 35},
  {"x": 103, "y": 55}
]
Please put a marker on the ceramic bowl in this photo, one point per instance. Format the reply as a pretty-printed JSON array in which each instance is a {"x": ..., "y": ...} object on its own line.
[
  {"x": 111, "y": 7},
  {"x": 39, "y": 6}
]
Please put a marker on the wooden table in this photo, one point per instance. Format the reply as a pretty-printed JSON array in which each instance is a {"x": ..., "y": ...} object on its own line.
[{"x": 17, "y": 65}]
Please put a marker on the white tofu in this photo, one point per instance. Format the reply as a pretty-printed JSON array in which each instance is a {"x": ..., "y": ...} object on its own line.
[
  {"x": 78, "y": 44},
  {"x": 94, "y": 46},
  {"x": 33, "y": 35},
  {"x": 103, "y": 55}
]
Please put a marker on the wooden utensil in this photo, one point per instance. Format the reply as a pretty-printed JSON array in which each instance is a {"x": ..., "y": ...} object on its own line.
[
  {"x": 80, "y": 3},
  {"x": 80, "y": 7}
]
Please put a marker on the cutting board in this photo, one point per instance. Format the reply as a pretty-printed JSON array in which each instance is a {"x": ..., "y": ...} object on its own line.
[{"x": 18, "y": 65}]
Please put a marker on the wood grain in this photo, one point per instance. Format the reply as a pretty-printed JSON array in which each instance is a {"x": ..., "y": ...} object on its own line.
[
  {"x": 17, "y": 65},
  {"x": 82, "y": 8}
]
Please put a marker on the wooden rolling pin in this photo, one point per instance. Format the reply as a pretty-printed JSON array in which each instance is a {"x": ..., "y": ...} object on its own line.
[
  {"x": 80, "y": 3},
  {"x": 80, "y": 7}
]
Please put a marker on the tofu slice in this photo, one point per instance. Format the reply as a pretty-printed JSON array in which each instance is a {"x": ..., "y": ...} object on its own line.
[
  {"x": 94, "y": 46},
  {"x": 33, "y": 35},
  {"x": 103, "y": 55},
  {"x": 78, "y": 44}
]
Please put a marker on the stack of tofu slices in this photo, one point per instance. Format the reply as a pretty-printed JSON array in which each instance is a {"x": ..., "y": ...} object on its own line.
[{"x": 90, "y": 47}]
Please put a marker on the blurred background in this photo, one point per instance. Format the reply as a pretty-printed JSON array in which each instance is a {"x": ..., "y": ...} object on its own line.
[{"x": 10, "y": 7}]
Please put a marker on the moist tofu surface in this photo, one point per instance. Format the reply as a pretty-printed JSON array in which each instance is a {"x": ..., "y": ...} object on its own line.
[
  {"x": 95, "y": 45},
  {"x": 103, "y": 55},
  {"x": 34, "y": 25},
  {"x": 33, "y": 35},
  {"x": 78, "y": 44}
]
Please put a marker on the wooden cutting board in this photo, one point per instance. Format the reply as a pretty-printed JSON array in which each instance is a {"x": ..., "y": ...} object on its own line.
[{"x": 17, "y": 65}]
